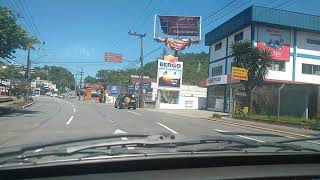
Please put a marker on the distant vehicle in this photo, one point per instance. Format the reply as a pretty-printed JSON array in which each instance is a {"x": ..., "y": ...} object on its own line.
[
  {"x": 48, "y": 93},
  {"x": 60, "y": 96},
  {"x": 37, "y": 92},
  {"x": 54, "y": 95},
  {"x": 125, "y": 101}
]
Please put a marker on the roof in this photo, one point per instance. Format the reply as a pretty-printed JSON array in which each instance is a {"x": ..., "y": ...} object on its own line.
[{"x": 264, "y": 16}]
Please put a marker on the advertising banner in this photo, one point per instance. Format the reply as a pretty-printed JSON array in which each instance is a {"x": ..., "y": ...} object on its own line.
[
  {"x": 180, "y": 25},
  {"x": 113, "y": 57},
  {"x": 169, "y": 74},
  {"x": 277, "y": 41}
]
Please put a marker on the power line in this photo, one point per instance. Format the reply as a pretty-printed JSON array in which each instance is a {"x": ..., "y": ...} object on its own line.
[
  {"x": 153, "y": 51},
  {"x": 217, "y": 11},
  {"x": 207, "y": 25},
  {"x": 32, "y": 20},
  {"x": 144, "y": 9}
]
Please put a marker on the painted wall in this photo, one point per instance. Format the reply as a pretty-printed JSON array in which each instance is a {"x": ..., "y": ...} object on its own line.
[
  {"x": 215, "y": 55},
  {"x": 308, "y": 54}
]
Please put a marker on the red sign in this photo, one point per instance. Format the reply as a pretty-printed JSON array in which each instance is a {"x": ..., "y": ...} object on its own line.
[
  {"x": 180, "y": 25},
  {"x": 113, "y": 57},
  {"x": 282, "y": 53},
  {"x": 277, "y": 41}
]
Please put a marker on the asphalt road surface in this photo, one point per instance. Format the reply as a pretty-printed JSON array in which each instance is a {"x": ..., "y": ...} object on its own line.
[{"x": 52, "y": 118}]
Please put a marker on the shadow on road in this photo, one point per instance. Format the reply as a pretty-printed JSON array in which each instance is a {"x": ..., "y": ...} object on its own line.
[{"x": 12, "y": 112}]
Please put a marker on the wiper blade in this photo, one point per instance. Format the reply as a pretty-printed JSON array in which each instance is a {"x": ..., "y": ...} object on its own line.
[
  {"x": 299, "y": 140},
  {"x": 28, "y": 147},
  {"x": 248, "y": 134}
]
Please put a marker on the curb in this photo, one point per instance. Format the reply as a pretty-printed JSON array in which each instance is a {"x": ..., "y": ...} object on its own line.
[
  {"x": 27, "y": 105},
  {"x": 258, "y": 127}
]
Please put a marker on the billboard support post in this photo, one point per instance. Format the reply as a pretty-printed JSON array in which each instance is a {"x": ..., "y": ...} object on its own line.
[{"x": 141, "y": 36}]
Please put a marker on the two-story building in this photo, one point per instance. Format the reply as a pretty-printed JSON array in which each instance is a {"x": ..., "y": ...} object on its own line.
[{"x": 294, "y": 41}]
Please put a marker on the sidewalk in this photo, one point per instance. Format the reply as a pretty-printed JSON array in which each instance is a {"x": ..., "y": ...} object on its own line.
[{"x": 207, "y": 115}]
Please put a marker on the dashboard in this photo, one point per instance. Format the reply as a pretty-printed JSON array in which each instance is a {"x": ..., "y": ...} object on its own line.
[{"x": 199, "y": 166}]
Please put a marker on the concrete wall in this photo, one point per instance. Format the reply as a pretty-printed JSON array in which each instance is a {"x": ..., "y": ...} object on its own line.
[{"x": 184, "y": 103}]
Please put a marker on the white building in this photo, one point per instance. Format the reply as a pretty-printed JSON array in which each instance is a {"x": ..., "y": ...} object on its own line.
[{"x": 295, "y": 42}]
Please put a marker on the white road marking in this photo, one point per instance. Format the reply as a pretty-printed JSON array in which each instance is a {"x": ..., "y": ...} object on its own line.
[
  {"x": 74, "y": 109},
  {"x": 290, "y": 137},
  {"x": 245, "y": 137},
  {"x": 313, "y": 142},
  {"x": 219, "y": 130},
  {"x": 69, "y": 121},
  {"x": 37, "y": 150},
  {"x": 135, "y": 113},
  {"x": 72, "y": 105},
  {"x": 167, "y": 128},
  {"x": 119, "y": 131}
]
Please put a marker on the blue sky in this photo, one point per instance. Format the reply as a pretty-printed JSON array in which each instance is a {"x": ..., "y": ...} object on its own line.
[{"x": 82, "y": 30}]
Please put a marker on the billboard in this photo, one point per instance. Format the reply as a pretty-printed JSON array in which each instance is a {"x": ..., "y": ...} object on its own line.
[
  {"x": 277, "y": 41},
  {"x": 113, "y": 57},
  {"x": 180, "y": 25},
  {"x": 169, "y": 74},
  {"x": 146, "y": 87}
]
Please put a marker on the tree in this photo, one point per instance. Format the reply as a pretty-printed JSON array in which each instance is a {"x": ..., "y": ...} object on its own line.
[
  {"x": 255, "y": 60},
  {"x": 90, "y": 79},
  {"x": 12, "y": 35}
]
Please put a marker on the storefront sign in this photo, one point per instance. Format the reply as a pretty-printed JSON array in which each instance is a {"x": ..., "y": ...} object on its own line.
[
  {"x": 169, "y": 74},
  {"x": 223, "y": 79},
  {"x": 277, "y": 41},
  {"x": 239, "y": 73}
]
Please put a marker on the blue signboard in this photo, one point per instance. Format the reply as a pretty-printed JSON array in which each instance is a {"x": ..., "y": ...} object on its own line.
[{"x": 113, "y": 89}]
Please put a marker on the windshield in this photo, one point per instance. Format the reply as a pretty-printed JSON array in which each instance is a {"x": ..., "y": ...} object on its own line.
[{"x": 91, "y": 78}]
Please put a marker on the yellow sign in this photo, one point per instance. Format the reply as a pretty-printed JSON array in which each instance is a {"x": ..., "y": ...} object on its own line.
[
  {"x": 170, "y": 58},
  {"x": 245, "y": 110},
  {"x": 239, "y": 73}
]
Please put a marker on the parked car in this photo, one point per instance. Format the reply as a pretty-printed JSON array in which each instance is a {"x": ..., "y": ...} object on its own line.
[{"x": 125, "y": 101}]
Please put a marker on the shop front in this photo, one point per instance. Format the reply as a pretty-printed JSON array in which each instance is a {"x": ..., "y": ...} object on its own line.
[{"x": 217, "y": 93}]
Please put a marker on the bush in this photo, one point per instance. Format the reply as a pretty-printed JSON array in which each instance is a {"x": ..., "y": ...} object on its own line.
[{"x": 216, "y": 116}]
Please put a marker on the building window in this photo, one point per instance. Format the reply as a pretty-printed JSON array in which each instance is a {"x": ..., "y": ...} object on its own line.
[
  {"x": 311, "y": 69},
  {"x": 218, "y": 46},
  {"x": 277, "y": 66},
  {"x": 216, "y": 71},
  {"x": 238, "y": 37},
  {"x": 313, "y": 41}
]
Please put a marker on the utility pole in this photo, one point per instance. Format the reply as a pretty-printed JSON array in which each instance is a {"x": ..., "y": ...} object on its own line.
[
  {"x": 28, "y": 72},
  {"x": 81, "y": 73},
  {"x": 141, "y": 36},
  {"x": 75, "y": 86}
]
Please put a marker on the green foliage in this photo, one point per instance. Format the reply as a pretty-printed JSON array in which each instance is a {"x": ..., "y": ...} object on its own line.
[
  {"x": 255, "y": 60},
  {"x": 312, "y": 123},
  {"x": 58, "y": 75},
  {"x": 90, "y": 79},
  {"x": 12, "y": 35},
  {"x": 195, "y": 69}
]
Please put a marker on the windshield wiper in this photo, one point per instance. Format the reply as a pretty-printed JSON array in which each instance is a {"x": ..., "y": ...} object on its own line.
[{"x": 28, "y": 147}]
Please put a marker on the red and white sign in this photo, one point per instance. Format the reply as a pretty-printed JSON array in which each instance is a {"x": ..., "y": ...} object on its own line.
[{"x": 277, "y": 41}]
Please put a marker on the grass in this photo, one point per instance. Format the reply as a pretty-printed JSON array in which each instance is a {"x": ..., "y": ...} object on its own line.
[{"x": 312, "y": 123}]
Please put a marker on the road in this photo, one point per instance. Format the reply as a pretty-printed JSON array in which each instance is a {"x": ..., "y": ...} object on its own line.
[{"x": 50, "y": 119}]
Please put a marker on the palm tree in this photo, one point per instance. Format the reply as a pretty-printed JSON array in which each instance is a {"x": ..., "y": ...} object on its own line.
[{"x": 255, "y": 60}]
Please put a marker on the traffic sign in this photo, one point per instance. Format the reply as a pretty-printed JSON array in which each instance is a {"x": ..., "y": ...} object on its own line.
[{"x": 239, "y": 73}]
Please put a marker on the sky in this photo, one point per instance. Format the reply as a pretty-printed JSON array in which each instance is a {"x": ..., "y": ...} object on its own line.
[{"x": 77, "y": 33}]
